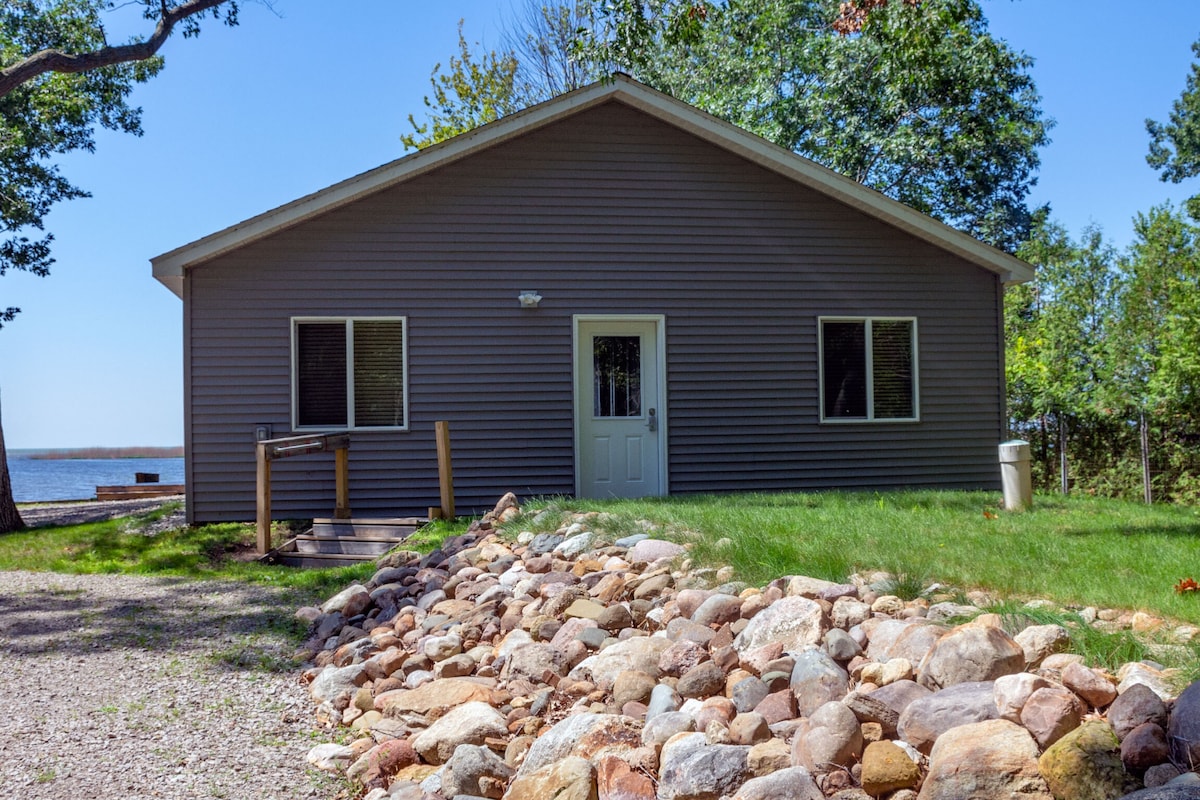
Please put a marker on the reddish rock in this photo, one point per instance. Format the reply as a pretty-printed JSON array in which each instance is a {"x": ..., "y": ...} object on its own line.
[{"x": 616, "y": 780}]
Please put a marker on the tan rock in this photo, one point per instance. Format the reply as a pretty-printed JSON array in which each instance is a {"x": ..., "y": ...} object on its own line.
[
  {"x": 572, "y": 778},
  {"x": 435, "y": 697},
  {"x": 1050, "y": 713},
  {"x": 1093, "y": 686},
  {"x": 769, "y": 756},
  {"x": 886, "y": 768},
  {"x": 994, "y": 758}
]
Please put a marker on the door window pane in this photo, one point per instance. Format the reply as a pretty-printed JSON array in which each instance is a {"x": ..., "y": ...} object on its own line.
[{"x": 617, "y": 385}]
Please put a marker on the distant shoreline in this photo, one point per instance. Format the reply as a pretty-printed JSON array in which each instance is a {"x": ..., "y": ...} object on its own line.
[{"x": 77, "y": 453}]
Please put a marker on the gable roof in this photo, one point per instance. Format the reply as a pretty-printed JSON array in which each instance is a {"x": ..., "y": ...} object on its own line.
[{"x": 170, "y": 268}]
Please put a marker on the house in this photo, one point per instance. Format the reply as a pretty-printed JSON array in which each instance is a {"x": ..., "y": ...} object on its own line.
[{"x": 611, "y": 293}]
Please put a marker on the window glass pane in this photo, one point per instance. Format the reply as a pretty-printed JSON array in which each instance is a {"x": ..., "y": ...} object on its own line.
[
  {"x": 321, "y": 373},
  {"x": 844, "y": 349},
  {"x": 892, "y": 369},
  {"x": 378, "y": 374},
  {"x": 617, "y": 362}
]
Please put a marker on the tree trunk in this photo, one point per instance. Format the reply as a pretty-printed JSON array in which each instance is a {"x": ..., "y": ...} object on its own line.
[
  {"x": 1144, "y": 430},
  {"x": 10, "y": 518},
  {"x": 1064, "y": 483}
]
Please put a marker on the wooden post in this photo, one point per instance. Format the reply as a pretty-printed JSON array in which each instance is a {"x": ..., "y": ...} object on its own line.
[
  {"x": 341, "y": 505},
  {"x": 445, "y": 472},
  {"x": 263, "y": 499}
]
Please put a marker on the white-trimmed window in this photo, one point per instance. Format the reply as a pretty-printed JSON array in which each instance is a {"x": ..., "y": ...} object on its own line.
[
  {"x": 349, "y": 373},
  {"x": 868, "y": 369}
]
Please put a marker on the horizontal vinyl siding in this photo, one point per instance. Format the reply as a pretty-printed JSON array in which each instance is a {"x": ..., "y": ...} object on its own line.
[{"x": 604, "y": 213}]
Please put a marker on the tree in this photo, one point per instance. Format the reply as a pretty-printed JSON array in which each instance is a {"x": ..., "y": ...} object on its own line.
[
  {"x": 475, "y": 91},
  {"x": 1057, "y": 362},
  {"x": 60, "y": 77},
  {"x": 542, "y": 39},
  {"x": 1175, "y": 145},
  {"x": 915, "y": 99}
]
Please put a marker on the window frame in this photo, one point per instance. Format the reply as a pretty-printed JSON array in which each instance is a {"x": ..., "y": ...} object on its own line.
[
  {"x": 870, "y": 376},
  {"x": 349, "y": 322}
]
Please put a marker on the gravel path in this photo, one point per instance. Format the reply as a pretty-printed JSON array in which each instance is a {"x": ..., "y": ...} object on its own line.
[{"x": 117, "y": 686}]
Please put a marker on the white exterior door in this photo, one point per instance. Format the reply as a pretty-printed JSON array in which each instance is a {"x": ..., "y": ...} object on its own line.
[{"x": 619, "y": 419}]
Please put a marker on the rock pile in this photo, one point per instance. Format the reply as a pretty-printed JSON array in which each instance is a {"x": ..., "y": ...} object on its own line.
[{"x": 566, "y": 667}]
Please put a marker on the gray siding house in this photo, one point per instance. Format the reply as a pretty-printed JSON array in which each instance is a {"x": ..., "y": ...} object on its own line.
[{"x": 611, "y": 293}]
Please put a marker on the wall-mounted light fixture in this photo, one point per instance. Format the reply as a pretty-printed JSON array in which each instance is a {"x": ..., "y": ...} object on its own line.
[{"x": 529, "y": 298}]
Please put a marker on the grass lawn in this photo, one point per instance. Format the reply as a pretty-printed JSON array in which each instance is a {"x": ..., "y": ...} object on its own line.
[
  {"x": 1076, "y": 551},
  {"x": 207, "y": 552}
]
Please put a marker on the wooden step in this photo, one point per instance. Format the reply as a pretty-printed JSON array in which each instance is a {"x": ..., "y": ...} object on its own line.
[
  {"x": 139, "y": 491},
  {"x": 317, "y": 560},
  {"x": 346, "y": 545},
  {"x": 397, "y": 528}
]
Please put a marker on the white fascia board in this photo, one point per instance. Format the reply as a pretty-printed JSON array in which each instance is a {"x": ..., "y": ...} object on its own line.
[{"x": 170, "y": 268}]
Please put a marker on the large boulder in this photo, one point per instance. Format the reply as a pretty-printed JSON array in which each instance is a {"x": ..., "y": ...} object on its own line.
[
  {"x": 816, "y": 679},
  {"x": 1184, "y": 728},
  {"x": 1050, "y": 713},
  {"x": 985, "y": 760},
  {"x": 833, "y": 739},
  {"x": 470, "y": 723},
  {"x": 692, "y": 769},
  {"x": 970, "y": 653},
  {"x": 794, "y": 622},
  {"x": 572, "y": 778},
  {"x": 792, "y": 783},
  {"x": 587, "y": 736},
  {"x": 641, "y": 653},
  {"x": 1085, "y": 764},
  {"x": 1136, "y": 706},
  {"x": 927, "y": 718},
  {"x": 435, "y": 697}
]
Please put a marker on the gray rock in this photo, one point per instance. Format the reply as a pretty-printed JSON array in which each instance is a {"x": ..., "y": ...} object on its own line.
[
  {"x": 1136, "y": 705},
  {"x": 748, "y": 693},
  {"x": 348, "y": 602},
  {"x": 816, "y": 679},
  {"x": 665, "y": 725},
  {"x": 968, "y": 654},
  {"x": 793, "y": 783},
  {"x": 1167, "y": 792},
  {"x": 794, "y": 622},
  {"x": 651, "y": 550},
  {"x": 663, "y": 699},
  {"x": 631, "y": 540},
  {"x": 702, "y": 680},
  {"x": 840, "y": 646},
  {"x": 1144, "y": 747},
  {"x": 718, "y": 609},
  {"x": 469, "y": 723},
  {"x": 586, "y": 736},
  {"x": 927, "y": 718},
  {"x": 1184, "y": 728},
  {"x": 941, "y": 612},
  {"x": 467, "y": 766},
  {"x": 575, "y": 546},
  {"x": 834, "y": 739},
  {"x": 332, "y": 681},
  {"x": 640, "y": 653},
  {"x": 532, "y": 661},
  {"x": 544, "y": 543},
  {"x": 692, "y": 769}
]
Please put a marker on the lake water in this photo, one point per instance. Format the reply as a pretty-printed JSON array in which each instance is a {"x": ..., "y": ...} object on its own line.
[{"x": 35, "y": 479}]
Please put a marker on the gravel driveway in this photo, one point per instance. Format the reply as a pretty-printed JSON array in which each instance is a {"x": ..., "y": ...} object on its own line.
[{"x": 125, "y": 687}]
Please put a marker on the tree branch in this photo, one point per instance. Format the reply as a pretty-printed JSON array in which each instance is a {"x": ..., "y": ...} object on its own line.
[{"x": 57, "y": 61}]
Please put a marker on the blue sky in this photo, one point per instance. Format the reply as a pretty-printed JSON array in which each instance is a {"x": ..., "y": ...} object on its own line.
[{"x": 246, "y": 119}]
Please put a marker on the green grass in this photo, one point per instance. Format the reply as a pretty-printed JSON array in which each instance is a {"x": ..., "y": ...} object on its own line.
[
  {"x": 207, "y": 552},
  {"x": 1075, "y": 551}
]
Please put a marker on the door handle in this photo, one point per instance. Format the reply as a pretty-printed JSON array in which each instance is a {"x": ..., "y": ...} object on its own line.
[{"x": 652, "y": 421}]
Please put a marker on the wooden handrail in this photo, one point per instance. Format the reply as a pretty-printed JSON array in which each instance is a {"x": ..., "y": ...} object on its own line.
[{"x": 270, "y": 450}]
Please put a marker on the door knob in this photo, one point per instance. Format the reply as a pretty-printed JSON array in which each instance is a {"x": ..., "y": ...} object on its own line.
[{"x": 652, "y": 421}]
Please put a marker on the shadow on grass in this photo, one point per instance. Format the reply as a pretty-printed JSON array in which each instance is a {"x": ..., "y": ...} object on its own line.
[{"x": 236, "y": 626}]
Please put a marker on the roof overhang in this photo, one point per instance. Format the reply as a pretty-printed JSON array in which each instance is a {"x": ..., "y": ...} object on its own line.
[{"x": 170, "y": 268}]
